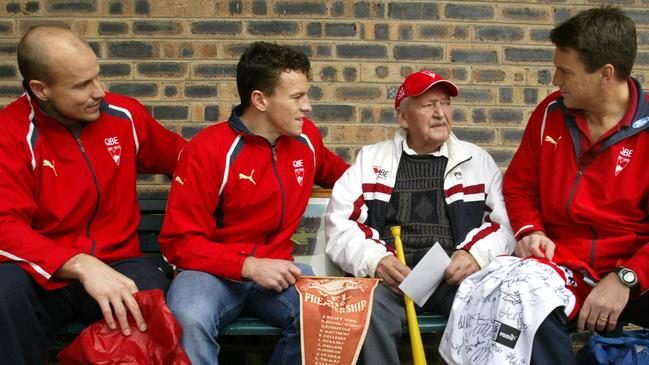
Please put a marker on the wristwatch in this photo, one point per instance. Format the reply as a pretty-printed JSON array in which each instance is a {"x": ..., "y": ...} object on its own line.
[{"x": 627, "y": 277}]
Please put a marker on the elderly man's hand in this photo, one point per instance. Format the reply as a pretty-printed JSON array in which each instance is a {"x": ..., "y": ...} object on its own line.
[
  {"x": 535, "y": 244},
  {"x": 462, "y": 265},
  {"x": 392, "y": 272},
  {"x": 604, "y": 304}
]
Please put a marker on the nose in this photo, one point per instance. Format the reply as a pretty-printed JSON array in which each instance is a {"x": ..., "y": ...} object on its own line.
[
  {"x": 98, "y": 91},
  {"x": 306, "y": 105},
  {"x": 438, "y": 109},
  {"x": 556, "y": 79}
]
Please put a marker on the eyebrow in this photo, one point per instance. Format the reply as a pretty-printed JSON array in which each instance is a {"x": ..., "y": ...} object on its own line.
[{"x": 81, "y": 83}]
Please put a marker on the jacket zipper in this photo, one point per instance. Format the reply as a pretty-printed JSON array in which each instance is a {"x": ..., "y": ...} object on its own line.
[
  {"x": 572, "y": 192},
  {"x": 281, "y": 188},
  {"x": 94, "y": 178},
  {"x": 593, "y": 244},
  {"x": 592, "y": 247}
]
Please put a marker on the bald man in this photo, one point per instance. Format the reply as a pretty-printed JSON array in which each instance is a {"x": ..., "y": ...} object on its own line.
[{"x": 69, "y": 154}]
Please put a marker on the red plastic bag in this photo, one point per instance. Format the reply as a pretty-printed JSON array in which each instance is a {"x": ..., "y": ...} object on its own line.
[{"x": 159, "y": 344}]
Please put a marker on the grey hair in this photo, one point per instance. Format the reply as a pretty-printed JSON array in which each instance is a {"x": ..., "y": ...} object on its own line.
[{"x": 403, "y": 105}]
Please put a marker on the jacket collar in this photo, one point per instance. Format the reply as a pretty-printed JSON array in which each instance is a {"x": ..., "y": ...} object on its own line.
[
  {"x": 642, "y": 108},
  {"x": 639, "y": 122},
  {"x": 40, "y": 118},
  {"x": 236, "y": 123},
  {"x": 456, "y": 151}
]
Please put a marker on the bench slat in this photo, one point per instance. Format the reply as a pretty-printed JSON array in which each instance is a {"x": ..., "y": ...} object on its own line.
[
  {"x": 151, "y": 223},
  {"x": 151, "y": 206},
  {"x": 249, "y": 326},
  {"x": 430, "y": 323},
  {"x": 149, "y": 243}
]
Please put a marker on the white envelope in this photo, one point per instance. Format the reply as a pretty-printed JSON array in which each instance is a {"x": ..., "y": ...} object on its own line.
[{"x": 424, "y": 278}]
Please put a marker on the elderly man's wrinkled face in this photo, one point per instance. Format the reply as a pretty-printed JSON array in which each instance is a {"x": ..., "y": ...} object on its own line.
[{"x": 427, "y": 118}]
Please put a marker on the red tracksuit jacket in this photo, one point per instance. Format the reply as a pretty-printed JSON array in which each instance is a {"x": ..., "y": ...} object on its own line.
[
  {"x": 234, "y": 195},
  {"x": 61, "y": 196},
  {"x": 592, "y": 202}
]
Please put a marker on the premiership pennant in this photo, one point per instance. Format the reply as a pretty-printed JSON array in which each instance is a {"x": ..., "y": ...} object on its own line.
[{"x": 335, "y": 313}]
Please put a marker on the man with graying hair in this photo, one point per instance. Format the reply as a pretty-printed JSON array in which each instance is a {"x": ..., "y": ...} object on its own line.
[{"x": 69, "y": 153}]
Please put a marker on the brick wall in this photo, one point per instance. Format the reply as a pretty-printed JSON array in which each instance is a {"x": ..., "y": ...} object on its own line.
[{"x": 179, "y": 57}]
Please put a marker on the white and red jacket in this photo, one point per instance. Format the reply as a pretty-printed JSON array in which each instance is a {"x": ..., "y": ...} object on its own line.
[
  {"x": 474, "y": 202},
  {"x": 61, "y": 196},
  {"x": 592, "y": 202},
  {"x": 235, "y": 195}
]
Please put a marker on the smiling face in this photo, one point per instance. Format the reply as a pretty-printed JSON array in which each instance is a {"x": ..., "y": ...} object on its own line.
[
  {"x": 75, "y": 91},
  {"x": 580, "y": 89},
  {"x": 427, "y": 118},
  {"x": 288, "y": 105}
]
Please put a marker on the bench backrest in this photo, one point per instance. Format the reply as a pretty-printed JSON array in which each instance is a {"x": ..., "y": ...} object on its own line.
[{"x": 151, "y": 218}]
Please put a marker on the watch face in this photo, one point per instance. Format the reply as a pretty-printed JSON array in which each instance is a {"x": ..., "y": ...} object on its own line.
[{"x": 628, "y": 277}]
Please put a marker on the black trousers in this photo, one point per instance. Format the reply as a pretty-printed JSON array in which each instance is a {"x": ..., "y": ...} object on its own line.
[
  {"x": 28, "y": 313},
  {"x": 552, "y": 342}
]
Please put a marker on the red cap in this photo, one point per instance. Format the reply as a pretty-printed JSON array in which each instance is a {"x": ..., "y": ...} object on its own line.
[{"x": 417, "y": 83}]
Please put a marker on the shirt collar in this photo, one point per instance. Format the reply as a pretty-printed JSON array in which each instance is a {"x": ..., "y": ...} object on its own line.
[{"x": 442, "y": 151}]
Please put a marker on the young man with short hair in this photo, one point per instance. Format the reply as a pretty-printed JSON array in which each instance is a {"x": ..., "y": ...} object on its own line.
[{"x": 239, "y": 193}]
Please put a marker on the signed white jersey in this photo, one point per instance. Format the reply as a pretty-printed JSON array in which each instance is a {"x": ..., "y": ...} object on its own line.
[{"x": 497, "y": 311}]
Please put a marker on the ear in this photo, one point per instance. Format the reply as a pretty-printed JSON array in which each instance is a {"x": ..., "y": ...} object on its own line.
[
  {"x": 607, "y": 73},
  {"x": 258, "y": 100},
  {"x": 403, "y": 120},
  {"x": 39, "y": 89}
]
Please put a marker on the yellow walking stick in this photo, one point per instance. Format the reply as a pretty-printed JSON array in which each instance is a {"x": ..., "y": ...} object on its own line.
[{"x": 418, "y": 356}]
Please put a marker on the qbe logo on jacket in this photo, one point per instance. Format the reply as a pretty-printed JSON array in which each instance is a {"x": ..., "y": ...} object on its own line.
[
  {"x": 114, "y": 148},
  {"x": 298, "y": 165},
  {"x": 623, "y": 159},
  {"x": 381, "y": 173}
]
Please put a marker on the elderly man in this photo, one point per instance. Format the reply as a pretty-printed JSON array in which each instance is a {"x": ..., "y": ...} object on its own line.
[
  {"x": 437, "y": 188},
  {"x": 577, "y": 192},
  {"x": 69, "y": 153}
]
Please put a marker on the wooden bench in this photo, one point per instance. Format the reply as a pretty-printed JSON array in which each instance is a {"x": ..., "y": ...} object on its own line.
[{"x": 309, "y": 240}]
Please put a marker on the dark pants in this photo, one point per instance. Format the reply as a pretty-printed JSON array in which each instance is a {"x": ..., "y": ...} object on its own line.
[
  {"x": 388, "y": 316},
  {"x": 552, "y": 342},
  {"x": 28, "y": 313}
]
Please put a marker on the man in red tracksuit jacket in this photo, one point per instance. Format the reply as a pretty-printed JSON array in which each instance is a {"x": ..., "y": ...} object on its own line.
[
  {"x": 69, "y": 153},
  {"x": 239, "y": 192},
  {"x": 577, "y": 190}
]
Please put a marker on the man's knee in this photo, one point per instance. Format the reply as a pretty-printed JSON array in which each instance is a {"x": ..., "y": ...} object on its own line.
[
  {"x": 191, "y": 318},
  {"x": 195, "y": 302},
  {"x": 291, "y": 311},
  {"x": 388, "y": 305}
]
